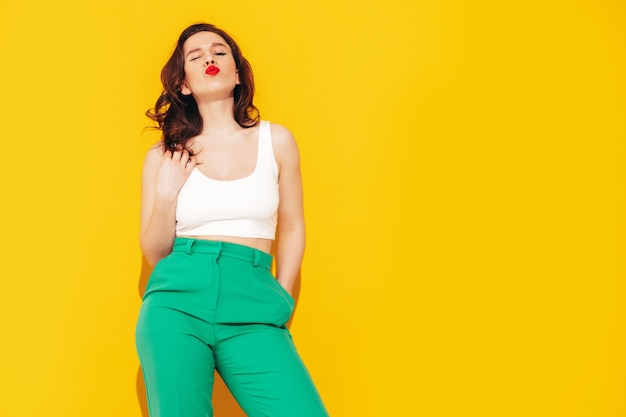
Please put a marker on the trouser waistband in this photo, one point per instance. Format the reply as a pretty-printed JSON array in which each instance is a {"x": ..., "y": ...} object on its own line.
[{"x": 230, "y": 250}]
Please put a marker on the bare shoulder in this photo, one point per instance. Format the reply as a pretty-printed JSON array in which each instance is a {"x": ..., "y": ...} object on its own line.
[
  {"x": 283, "y": 141},
  {"x": 155, "y": 152},
  {"x": 153, "y": 158}
]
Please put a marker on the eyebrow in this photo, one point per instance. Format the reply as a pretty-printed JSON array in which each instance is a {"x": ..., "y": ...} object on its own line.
[{"x": 214, "y": 44}]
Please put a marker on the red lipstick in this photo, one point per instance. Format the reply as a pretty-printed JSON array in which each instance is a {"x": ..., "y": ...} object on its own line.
[{"x": 212, "y": 70}]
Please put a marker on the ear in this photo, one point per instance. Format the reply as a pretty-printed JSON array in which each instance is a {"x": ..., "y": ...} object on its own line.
[
  {"x": 184, "y": 88},
  {"x": 237, "y": 71}
]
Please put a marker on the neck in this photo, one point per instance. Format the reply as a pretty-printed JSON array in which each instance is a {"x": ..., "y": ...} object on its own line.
[{"x": 217, "y": 117}]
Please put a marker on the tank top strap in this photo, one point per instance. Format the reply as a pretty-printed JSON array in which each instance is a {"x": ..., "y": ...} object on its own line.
[{"x": 266, "y": 150}]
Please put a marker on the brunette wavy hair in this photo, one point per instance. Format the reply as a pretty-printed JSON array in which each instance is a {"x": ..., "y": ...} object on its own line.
[{"x": 177, "y": 114}]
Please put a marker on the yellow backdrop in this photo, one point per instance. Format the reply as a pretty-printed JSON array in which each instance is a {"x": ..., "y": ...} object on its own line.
[{"x": 464, "y": 168}]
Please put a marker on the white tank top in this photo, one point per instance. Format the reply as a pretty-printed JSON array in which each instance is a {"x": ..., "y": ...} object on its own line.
[{"x": 245, "y": 207}]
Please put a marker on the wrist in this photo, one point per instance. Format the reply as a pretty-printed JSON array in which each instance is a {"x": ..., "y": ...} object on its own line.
[{"x": 163, "y": 197}]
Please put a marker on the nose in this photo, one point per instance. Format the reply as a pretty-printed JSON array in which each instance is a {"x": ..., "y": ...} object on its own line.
[{"x": 210, "y": 60}]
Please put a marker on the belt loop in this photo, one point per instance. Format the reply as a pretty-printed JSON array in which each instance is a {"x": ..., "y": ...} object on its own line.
[
  {"x": 219, "y": 251},
  {"x": 190, "y": 243},
  {"x": 257, "y": 258}
]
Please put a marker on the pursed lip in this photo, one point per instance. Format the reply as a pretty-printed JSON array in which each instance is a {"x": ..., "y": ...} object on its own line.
[{"x": 212, "y": 70}]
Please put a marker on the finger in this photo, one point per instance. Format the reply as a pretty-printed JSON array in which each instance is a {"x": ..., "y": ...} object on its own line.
[
  {"x": 184, "y": 157},
  {"x": 191, "y": 163}
]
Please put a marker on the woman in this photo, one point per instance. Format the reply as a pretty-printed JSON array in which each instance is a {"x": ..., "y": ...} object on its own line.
[{"x": 214, "y": 192}]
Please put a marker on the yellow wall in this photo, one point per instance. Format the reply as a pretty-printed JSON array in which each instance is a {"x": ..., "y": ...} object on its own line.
[{"x": 465, "y": 192}]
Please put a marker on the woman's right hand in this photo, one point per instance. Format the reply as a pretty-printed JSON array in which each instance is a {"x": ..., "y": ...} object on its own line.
[
  {"x": 164, "y": 174},
  {"x": 173, "y": 171}
]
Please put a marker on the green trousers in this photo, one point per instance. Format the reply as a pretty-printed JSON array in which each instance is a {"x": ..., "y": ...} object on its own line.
[{"x": 216, "y": 306}]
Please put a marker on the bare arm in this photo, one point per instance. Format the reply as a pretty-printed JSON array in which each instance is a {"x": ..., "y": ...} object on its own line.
[
  {"x": 291, "y": 229},
  {"x": 163, "y": 176}
]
